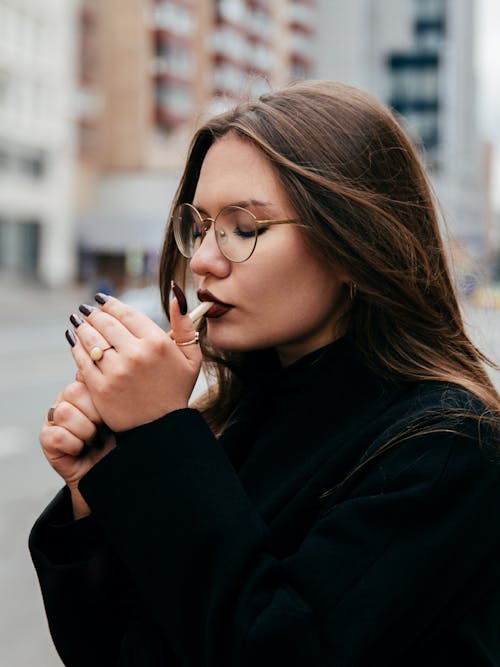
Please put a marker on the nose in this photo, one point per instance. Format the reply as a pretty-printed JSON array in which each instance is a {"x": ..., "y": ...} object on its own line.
[{"x": 208, "y": 259}]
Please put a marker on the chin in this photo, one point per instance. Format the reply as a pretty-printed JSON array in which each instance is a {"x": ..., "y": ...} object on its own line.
[
  {"x": 229, "y": 344},
  {"x": 233, "y": 339}
]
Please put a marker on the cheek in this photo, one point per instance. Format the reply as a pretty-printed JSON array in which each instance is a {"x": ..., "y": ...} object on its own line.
[
  {"x": 302, "y": 275},
  {"x": 294, "y": 289}
]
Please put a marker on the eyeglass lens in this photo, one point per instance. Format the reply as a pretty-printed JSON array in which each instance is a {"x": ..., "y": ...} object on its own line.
[{"x": 235, "y": 231}]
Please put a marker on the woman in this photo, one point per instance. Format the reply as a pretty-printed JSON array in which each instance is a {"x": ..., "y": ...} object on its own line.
[{"x": 333, "y": 499}]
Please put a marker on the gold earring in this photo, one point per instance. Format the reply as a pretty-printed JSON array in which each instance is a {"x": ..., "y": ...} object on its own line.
[{"x": 353, "y": 288}]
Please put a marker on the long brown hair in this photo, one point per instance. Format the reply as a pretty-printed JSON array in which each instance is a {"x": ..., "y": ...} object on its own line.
[{"x": 351, "y": 172}]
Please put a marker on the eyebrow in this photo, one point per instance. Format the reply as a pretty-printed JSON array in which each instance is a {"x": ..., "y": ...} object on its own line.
[{"x": 247, "y": 203}]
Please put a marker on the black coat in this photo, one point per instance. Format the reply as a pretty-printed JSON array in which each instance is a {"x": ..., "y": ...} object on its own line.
[{"x": 229, "y": 553}]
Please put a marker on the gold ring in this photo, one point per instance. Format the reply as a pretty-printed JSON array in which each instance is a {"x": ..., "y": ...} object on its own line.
[
  {"x": 193, "y": 341},
  {"x": 50, "y": 416},
  {"x": 97, "y": 353}
]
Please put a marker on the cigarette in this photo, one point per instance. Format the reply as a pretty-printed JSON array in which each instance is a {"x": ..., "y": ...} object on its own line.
[{"x": 197, "y": 313}]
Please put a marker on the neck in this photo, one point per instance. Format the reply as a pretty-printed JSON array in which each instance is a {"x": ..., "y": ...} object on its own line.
[{"x": 292, "y": 352}]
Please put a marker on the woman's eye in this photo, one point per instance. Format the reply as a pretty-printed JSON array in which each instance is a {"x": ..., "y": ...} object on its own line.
[{"x": 244, "y": 233}]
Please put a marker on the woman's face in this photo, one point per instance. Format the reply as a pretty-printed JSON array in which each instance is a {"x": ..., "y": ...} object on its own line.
[{"x": 282, "y": 296}]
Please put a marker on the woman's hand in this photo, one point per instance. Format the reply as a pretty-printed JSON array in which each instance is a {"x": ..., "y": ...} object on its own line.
[
  {"x": 74, "y": 424},
  {"x": 143, "y": 373}
]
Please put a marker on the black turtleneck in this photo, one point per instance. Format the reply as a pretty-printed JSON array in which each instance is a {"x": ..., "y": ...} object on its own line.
[{"x": 262, "y": 548}]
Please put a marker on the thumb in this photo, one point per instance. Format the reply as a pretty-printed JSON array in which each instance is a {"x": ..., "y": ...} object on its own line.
[{"x": 183, "y": 330}]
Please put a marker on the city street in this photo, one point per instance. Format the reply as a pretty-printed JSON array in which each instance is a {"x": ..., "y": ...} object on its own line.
[{"x": 35, "y": 364}]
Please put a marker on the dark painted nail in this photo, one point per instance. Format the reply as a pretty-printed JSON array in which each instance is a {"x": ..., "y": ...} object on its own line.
[
  {"x": 179, "y": 295},
  {"x": 101, "y": 298},
  {"x": 75, "y": 320},
  {"x": 86, "y": 310},
  {"x": 70, "y": 337}
]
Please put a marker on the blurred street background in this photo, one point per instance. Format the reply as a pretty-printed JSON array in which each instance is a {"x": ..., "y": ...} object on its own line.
[{"x": 98, "y": 100}]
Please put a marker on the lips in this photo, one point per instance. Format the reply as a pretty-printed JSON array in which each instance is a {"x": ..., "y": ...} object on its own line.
[{"x": 218, "y": 309}]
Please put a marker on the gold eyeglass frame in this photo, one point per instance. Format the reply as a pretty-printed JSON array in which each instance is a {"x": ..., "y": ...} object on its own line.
[{"x": 205, "y": 227}]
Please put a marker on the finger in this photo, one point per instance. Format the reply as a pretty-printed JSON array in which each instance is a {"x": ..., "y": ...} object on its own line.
[
  {"x": 89, "y": 371},
  {"x": 78, "y": 395},
  {"x": 91, "y": 341},
  {"x": 135, "y": 322},
  {"x": 50, "y": 415},
  {"x": 184, "y": 332},
  {"x": 73, "y": 420},
  {"x": 57, "y": 442},
  {"x": 90, "y": 330}
]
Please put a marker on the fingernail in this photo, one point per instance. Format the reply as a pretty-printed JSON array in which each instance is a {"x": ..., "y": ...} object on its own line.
[
  {"x": 75, "y": 320},
  {"x": 70, "y": 337},
  {"x": 86, "y": 310},
  {"x": 101, "y": 298},
  {"x": 179, "y": 295}
]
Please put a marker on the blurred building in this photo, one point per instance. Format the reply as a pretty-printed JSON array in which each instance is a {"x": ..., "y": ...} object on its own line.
[
  {"x": 36, "y": 138},
  {"x": 149, "y": 71},
  {"x": 132, "y": 79},
  {"x": 418, "y": 56}
]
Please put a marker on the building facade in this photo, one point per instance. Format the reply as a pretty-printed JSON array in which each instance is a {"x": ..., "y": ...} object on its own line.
[
  {"x": 418, "y": 56},
  {"x": 37, "y": 139},
  {"x": 121, "y": 85}
]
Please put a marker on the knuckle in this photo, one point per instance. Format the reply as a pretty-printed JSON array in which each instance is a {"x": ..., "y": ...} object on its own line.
[
  {"x": 63, "y": 411},
  {"x": 135, "y": 358},
  {"x": 58, "y": 438},
  {"x": 73, "y": 392},
  {"x": 157, "y": 345},
  {"x": 122, "y": 372}
]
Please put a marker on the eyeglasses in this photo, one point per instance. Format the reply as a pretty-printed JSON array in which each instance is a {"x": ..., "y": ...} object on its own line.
[{"x": 236, "y": 230}]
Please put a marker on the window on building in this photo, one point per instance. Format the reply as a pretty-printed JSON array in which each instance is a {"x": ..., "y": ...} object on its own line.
[
  {"x": 229, "y": 78},
  {"x": 29, "y": 233},
  {"x": 430, "y": 33},
  {"x": 430, "y": 9},
  {"x": 19, "y": 246},
  {"x": 230, "y": 43},
  {"x": 31, "y": 165},
  {"x": 173, "y": 17},
  {"x": 299, "y": 70},
  {"x": 173, "y": 57},
  {"x": 234, "y": 11},
  {"x": 174, "y": 99}
]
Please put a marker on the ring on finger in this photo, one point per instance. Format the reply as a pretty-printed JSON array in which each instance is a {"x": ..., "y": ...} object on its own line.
[
  {"x": 50, "y": 416},
  {"x": 193, "y": 341},
  {"x": 97, "y": 353}
]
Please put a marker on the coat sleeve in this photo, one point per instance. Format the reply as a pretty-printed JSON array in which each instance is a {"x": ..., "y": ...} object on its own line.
[
  {"x": 83, "y": 584},
  {"x": 372, "y": 573}
]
